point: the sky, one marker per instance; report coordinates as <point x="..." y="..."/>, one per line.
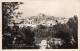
<point x="57" y="8"/>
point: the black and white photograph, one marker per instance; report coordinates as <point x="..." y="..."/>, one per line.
<point x="40" y="24"/>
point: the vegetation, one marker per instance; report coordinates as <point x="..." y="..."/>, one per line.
<point x="29" y="37"/>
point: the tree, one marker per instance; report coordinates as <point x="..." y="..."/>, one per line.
<point x="73" y="25"/>
<point x="63" y="32"/>
<point x="7" y="11"/>
<point x="27" y="36"/>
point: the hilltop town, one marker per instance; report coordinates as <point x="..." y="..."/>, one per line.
<point x="40" y="19"/>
